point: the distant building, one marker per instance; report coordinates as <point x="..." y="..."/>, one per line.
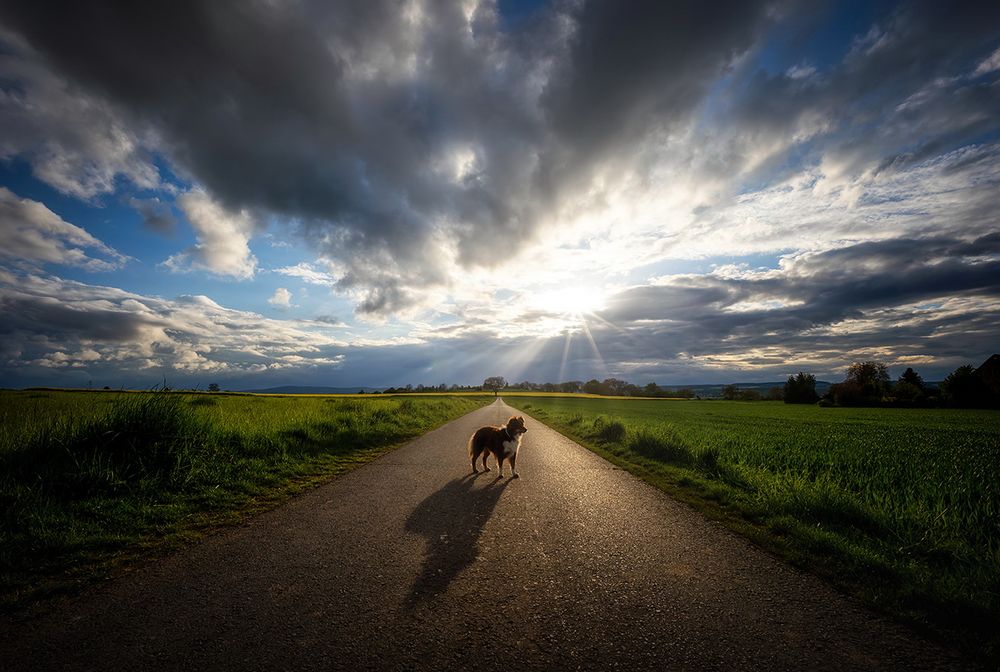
<point x="989" y="373"/>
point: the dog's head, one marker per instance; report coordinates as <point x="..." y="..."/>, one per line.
<point x="515" y="426"/>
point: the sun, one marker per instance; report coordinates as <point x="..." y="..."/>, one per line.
<point x="571" y="301"/>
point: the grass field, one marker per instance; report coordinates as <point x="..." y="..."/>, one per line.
<point x="899" y="506"/>
<point x="89" y="480"/>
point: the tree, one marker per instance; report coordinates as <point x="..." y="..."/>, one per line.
<point x="775" y="393"/>
<point x="494" y="383"/>
<point x="801" y="389"/>
<point x="964" y="387"/>
<point x="730" y="392"/>
<point x="213" y="387"/>
<point x="593" y="386"/>
<point x="571" y="386"/>
<point x="614" y="387"/>
<point x="913" y="378"/>
<point x="651" y="390"/>
<point x="871" y="378"/>
<point x="909" y="388"/>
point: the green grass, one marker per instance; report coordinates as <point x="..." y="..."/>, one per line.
<point x="89" y="480"/>
<point x="898" y="506"/>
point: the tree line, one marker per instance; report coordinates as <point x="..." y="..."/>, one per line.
<point x="609" y="387"/>
<point x="868" y="384"/>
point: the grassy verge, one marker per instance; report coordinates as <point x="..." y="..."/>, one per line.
<point x="900" y="507"/>
<point x="91" y="480"/>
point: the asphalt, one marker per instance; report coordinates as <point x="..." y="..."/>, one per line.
<point x="413" y="562"/>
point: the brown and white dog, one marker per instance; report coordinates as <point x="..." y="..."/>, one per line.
<point x="503" y="442"/>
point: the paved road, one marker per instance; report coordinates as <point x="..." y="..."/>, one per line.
<point x="411" y="562"/>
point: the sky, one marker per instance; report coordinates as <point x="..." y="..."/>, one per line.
<point x="376" y="193"/>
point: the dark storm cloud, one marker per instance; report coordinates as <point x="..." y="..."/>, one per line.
<point x="335" y="115"/>
<point x="156" y="215"/>
<point x="633" y="67"/>
<point x="56" y="321"/>
<point x="403" y="138"/>
<point x="905" y="92"/>
<point x="386" y="133"/>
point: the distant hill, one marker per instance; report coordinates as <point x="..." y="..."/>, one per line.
<point x="305" y="389"/>
<point x="716" y="390"/>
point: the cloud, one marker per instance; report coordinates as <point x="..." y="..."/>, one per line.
<point x="282" y="298"/>
<point x="308" y="273"/>
<point x="891" y="299"/>
<point x="223" y="238"/>
<point x="931" y="302"/>
<point x="432" y="158"/>
<point x="404" y="145"/>
<point x="637" y="68"/>
<point x="900" y="96"/>
<point x="74" y="140"/>
<point x="32" y="234"/>
<point x="988" y="64"/>
<point x="156" y="215"/>
<point x="60" y="324"/>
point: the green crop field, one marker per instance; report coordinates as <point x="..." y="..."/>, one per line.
<point x="89" y="480"/>
<point x="899" y="506"/>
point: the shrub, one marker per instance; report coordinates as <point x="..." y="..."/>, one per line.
<point x="665" y="447"/>
<point x="708" y="460"/>
<point x="611" y="431"/>
<point x="153" y="436"/>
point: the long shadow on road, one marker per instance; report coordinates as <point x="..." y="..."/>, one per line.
<point x="452" y="520"/>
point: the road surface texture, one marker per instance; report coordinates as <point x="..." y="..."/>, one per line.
<point x="412" y="562"/>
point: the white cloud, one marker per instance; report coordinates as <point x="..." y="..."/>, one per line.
<point x="988" y="64"/>
<point x="282" y="298"/>
<point x="800" y="71"/>
<point x="32" y="234"/>
<point x="223" y="238"/>
<point x="64" y="324"/>
<point x="308" y="273"/>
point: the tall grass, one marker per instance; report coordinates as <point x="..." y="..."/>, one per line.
<point x="902" y="505"/>
<point x="86" y="475"/>
<point x="149" y="438"/>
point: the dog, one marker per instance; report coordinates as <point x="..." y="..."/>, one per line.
<point x="503" y="442"/>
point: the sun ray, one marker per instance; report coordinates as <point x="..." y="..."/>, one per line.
<point x="593" y="346"/>
<point x="565" y="355"/>
<point x="612" y="325"/>
<point x="522" y="358"/>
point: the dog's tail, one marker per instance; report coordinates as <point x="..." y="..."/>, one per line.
<point x="475" y="442"/>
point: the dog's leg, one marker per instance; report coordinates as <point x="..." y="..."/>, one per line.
<point x="500" y="465"/>
<point x="513" y="470"/>
<point x="486" y="456"/>
<point x="474" y="458"/>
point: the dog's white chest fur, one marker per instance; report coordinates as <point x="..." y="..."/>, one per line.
<point x="510" y="447"/>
